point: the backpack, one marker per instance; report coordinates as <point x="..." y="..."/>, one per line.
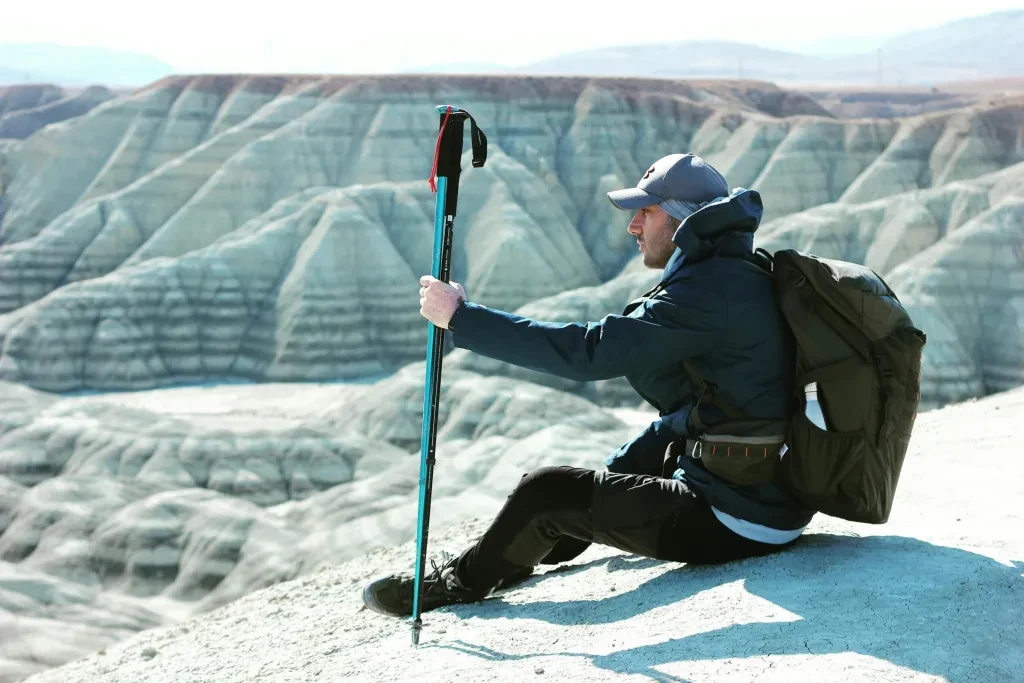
<point x="857" y="342"/>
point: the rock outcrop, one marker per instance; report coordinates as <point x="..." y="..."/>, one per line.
<point x="15" y="98"/>
<point x="265" y="228"/>
<point x="24" y="109"/>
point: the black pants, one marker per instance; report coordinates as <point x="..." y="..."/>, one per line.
<point x="555" y="513"/>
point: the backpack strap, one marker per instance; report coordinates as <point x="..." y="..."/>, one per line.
<point x="763" y="259"/>
<point x="707" y="392"/>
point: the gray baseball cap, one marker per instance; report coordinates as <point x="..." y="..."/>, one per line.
<point x="686" y="177"/>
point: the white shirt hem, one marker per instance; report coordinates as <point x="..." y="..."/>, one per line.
<point x="757" y="532"/>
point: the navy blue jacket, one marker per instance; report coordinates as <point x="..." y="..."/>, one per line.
<point x="713" y="309"/>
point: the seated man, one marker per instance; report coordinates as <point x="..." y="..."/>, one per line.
<point x="711" y="309"/>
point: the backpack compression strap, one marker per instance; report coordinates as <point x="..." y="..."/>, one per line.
<point x="707" y="392"/>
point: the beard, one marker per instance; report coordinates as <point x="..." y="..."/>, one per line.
<point x="658" y="258"/>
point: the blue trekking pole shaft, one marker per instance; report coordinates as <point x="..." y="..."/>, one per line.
<point x="431" y="398"/>
<point x="447" y="165"/>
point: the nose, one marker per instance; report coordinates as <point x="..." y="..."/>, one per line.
<point x="636" y="225"/>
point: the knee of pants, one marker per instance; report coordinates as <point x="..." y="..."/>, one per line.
<point x="544" y="531"/>
<point x="538" y="483"/>
<point x="543" y="476"/>
<point x="554" y="486"/>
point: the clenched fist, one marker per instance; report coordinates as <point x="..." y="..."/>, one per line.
<point x="439" y="300"/>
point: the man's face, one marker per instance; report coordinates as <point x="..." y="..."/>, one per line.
<point x="653" y="229"/>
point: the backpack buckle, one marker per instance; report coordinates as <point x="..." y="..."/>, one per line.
<point x="695" y="450"/>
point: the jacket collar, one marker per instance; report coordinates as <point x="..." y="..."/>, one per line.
<point x="723" y="227"/>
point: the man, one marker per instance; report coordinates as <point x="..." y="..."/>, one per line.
<point x="713" y="309"/>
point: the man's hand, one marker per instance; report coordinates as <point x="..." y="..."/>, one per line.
<point x="439" y="300"/>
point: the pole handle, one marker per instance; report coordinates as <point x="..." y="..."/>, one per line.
<point x="448" y="152"/>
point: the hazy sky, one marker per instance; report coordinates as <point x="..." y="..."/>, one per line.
<point x="371" y="36"/>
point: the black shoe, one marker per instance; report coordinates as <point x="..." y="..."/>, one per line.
<point x="392" y="595"/>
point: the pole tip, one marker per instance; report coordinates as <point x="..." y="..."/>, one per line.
<point x="417" y="626"/>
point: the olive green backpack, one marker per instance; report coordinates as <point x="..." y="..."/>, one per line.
<point x="856" y="341"/>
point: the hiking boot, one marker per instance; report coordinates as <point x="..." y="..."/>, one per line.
<point x="392" y="595"/>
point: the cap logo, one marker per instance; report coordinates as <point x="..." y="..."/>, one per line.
<point x="648" y="174"/>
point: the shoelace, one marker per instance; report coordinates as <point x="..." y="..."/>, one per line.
<point x="436" y="576"/>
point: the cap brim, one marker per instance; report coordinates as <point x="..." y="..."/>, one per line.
<point x="633" y="198"/>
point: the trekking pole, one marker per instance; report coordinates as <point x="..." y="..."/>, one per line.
<point x="447" y="167"/>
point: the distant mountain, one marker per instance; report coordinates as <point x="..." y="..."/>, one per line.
<point x="72" y="66"/>
<point x="990" y="46"/>
<point x="982" y="47"/>
<point x="692" y="59"/>
<point x="835" y="46"/>
<point x="462" y="68"/>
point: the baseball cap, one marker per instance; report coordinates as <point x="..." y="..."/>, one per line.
<point x="685" y="177"/>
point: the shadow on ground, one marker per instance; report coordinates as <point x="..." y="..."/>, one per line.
<point x="933" y="609"/>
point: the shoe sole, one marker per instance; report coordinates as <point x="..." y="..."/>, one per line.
<point x="371" y="603"/>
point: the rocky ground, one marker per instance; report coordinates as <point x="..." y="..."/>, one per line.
<point x="932" y="595"/>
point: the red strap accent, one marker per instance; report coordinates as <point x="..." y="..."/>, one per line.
<point x="437" y="150"/>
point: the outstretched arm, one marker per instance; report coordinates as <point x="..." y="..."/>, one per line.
<point x="652" y="337"/>
<point x="657" y="334"/>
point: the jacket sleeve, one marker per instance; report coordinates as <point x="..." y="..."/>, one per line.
<point x="655" y="335"/>
<point x="645" y="452"/>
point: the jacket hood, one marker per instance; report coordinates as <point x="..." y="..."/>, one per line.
<point x="725" y="225"/>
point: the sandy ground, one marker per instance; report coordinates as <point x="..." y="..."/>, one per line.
<point x="934" y="595"/>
